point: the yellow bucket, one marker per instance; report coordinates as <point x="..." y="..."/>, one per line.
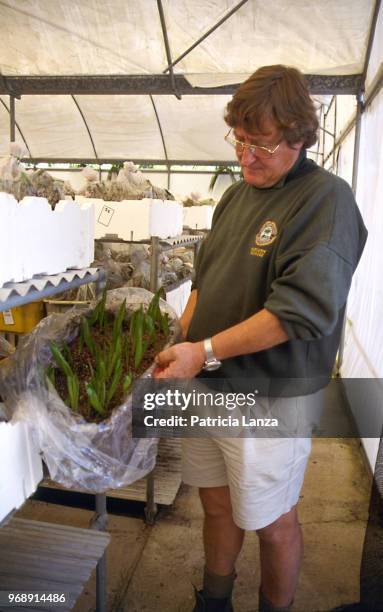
<point x="22" y="319"/>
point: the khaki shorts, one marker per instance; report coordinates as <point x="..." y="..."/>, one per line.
<point x="264" y="475"/>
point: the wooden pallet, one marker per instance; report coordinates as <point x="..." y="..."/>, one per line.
<point x="38" y="556"/>
<point x="167" y="477"/>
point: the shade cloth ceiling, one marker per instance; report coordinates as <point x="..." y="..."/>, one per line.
<point x="124" y="37"/>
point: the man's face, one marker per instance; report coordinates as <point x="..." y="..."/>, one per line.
<point x="265" y="172"/>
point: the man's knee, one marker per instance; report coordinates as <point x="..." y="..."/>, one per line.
<point x="216" y="501"/>
<point x="286" y="527"/>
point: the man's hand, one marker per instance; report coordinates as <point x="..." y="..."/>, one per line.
<point x="183" y="360"/>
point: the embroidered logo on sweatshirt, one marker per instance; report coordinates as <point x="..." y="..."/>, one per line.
<point x="267" y="234"/>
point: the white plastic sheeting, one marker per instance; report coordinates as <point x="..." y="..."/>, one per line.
<point x="121" y="126"/>
<point x="366" y="299"/>
<point x="50" y="124"/>
<point x="345" y="157"/>
<point x="124" y="37"/>
<point x="375" y="64"/>
<point x="363" y="353"/>
<point x="94" y="37"/>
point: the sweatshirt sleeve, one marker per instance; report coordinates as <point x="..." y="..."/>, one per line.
<point x="317" y="255"/>
<point x="197" y="265"/>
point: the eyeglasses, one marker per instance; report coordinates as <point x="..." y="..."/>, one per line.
<point x="260" y="151"/>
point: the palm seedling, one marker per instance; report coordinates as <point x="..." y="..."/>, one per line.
<point x="108" y="353"/>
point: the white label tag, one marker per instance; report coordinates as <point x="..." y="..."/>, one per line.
<point x="105" y="215"/>
<point x="8" y="317"/>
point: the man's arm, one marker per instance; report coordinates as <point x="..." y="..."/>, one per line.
<point x="187" y="314"/>
<point x="257" y="333"/>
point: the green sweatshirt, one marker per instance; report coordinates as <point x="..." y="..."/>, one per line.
<point x="292" y="249"/>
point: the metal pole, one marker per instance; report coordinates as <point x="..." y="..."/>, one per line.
<point x="358" y="123"/>
<point x="197" y="42"/>
<point x="18" y="127"/>
<point x="100" y="517"/>
<point x="154" y="254"/>
<point x="335" y="120"/>
<point x="324" y="136"/>
<point x="162" y="139"/>
<point x="167" y="49"/>
<point x="151" y="506"/>
<point x="12" y="113"/>
<point x="359" y="111"/>
<point x="320" y="125"/>
<point x="99" y="523"/>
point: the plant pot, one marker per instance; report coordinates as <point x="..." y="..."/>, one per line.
<point x="92" y="457"/>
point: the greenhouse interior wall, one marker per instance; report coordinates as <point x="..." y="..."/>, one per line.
<point x="363" y="347"/>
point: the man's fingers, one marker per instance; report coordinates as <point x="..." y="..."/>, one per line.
<point x="163" y="358"/>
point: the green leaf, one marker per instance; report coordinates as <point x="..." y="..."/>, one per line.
<point x="118" y="321"/>
<point x="73" y="391"/>
<point x="85" y="328"/>
<point x="115" y="382"/>
<point x="165" y="324"/>
<point x="91" y="370"/>
<point x="154" y="307"/>
<point x="101" y="368"/>
<point x="222" y="170"/>
<point x="132" y="325"/>
<point x="138" y="334"/>
<point x="60" y="359"/>
<point x="127" y="349"/>
<point x="149" y="325"/>
<point x="51" y="374"/>
<point x="98" y="314"/>
<point x="94" y="400"/>
<point x="127" y="383"/>
<point x="114" y="354"/>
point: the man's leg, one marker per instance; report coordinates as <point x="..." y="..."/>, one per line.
<point x="222" y="538"/>
<point x="281" y="551"/>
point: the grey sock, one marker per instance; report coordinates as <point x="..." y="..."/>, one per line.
<point x="217" y="587"/>
<point x="266" y="606"/>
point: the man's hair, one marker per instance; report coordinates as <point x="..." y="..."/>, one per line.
<point x="278" y="93"/>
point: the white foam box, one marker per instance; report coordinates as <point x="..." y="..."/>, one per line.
<point x="137" y="219"/>
<point x="178" y="297"/>
<point x="34" y="239"/>
<point x="21" y="467"/>
<point x="76" y="227"/>
<point x="198" y="217"/>
<point x="37" y="238"/>
<point x="175" y="216"/>
<point x="8" y="265"/>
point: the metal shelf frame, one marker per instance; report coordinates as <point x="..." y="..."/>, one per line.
<point x="31" y="294"/>
<point x="158" y="246"/>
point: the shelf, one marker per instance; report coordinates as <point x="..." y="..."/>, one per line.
<point x="167" y="475"/>
<point x="39" y="535"/>
<point x="43" y="286"/>
<point x="165" y="244"/>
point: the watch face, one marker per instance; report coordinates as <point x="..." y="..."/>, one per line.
<point x="212" y="365"/>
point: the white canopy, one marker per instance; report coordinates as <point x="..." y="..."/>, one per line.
<point x="124" y="37"/>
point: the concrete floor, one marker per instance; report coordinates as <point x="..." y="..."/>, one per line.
<point x="150" y="569"/>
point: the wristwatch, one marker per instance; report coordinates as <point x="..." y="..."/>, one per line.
<point x="211" y="362"/>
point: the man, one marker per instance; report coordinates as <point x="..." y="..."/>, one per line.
<point x="271" y="285"/>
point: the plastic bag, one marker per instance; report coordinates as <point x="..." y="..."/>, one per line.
<point x="6" y="348"/>
<point x="92" y="457"/>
